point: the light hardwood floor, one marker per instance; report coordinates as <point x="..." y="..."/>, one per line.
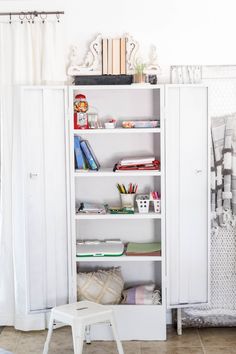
<point x="193" y="341"/>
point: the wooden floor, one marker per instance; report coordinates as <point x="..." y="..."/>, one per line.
<point x="193" y="341"/>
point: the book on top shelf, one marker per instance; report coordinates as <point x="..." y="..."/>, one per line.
<point x="116" y="56"/>
<point x="104" y="57"/>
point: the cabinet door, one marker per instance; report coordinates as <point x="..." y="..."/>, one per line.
<point x="45" y="181"/>
<point x="187" y="194"/>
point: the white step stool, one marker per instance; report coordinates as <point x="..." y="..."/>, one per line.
<point x="79" y="315"/>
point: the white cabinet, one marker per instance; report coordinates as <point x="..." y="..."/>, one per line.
<point x="187" y="194"/>
<point x="51" y="187"/>
<point x="44" y="140"/>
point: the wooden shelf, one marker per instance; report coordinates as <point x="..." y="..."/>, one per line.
<point x="123" y="258"/>
<point x="107" y="172"/>
<point x="118" y="131"/>
<point x="134" y="216"/>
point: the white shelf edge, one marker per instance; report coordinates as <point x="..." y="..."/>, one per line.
<point x="107" y="172"/>
<point x="123" y="258"/>
<point x="117" y="87"/>
<point x="134" y="216"/>
<point x="118" y="131"/>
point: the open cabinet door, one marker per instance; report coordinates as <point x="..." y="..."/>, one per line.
<point x="44" y="159"/>
<point x="187" y="195"/>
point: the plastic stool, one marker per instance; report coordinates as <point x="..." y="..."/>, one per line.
<point x="79" y="315"/>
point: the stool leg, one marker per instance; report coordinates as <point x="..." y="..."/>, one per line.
<point x="49" y="335"/>
<point x="115" y="334"/>
<point x="78" y="338"/>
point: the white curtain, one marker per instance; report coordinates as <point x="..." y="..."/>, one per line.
<point x="30" y="53"/>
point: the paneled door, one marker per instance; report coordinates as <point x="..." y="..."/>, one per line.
<point x="45" y="184"/>
<point x="187" y="194"/>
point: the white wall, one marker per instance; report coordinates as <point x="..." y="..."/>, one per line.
<point x="184" y="31"/>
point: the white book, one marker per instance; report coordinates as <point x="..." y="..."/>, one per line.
<point x="110" y="56"/>
<point x="116" y="56"/>
<point x="136" y="160"/>
<point x="104" y="56"/>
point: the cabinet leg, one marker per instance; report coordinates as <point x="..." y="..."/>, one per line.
<point x="179" y="322"/>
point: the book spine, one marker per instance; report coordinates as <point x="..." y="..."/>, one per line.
<point x="123" y="56"/>
<point x="92" y="164"/>
<point x="116" y="56"/>
<point x="110" y="57"/>
<point x="104" y="57"/>
<point x="80" y="162"/>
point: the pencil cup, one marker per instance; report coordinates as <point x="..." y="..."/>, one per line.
<point x="127" y="200"/>
<point x="143" y="202"/>
<point x="157" y="205"/>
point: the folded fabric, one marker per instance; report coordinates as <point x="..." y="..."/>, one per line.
<point x="141" y="295"/>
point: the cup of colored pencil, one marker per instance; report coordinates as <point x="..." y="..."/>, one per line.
<point x="127" y="194"/>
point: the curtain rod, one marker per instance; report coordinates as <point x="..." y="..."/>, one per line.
<point x="35" y="13"/>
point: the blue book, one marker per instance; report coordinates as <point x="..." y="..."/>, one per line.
<point x="79" y="158"/>
<point x="89" y="155"/>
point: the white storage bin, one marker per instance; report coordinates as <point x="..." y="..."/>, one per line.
<point x="143" y="202"/>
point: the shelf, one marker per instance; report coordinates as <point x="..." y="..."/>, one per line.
<point x="107" y="172"/>
<point x="117" y="87"/>
<point x="117" y="131"/>
<point x="123" y="258"/>
<point x="117" y="216"/>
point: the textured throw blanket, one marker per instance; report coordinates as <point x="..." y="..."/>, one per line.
<point x="223" y="170"/>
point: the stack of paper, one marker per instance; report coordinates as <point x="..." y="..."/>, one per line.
<point x="137" y="163"/>
<point x="143" y="249"/>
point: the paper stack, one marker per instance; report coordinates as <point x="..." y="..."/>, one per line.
<point x="143" y="249"/>
<point x="137" y="163"/>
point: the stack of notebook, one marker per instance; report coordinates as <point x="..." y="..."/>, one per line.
<point x="84" y="155"/>
<point x="137" y="163"/>
<point x="143" y="249"/>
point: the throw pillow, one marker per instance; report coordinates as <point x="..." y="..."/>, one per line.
<point x="102" y="286"/>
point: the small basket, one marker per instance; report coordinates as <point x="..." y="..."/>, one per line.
<point x="157" y="205"/>
<point x="143" y="202"/>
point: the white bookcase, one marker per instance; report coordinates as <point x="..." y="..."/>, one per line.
<point x="144" y="322"/>
<point x="50" y="187"/>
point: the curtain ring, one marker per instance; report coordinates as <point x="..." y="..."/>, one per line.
<point x="32" y="17"/>
<point x="28" y="17"/>
<point x="58" y="17"/>
<point x="43" y="17"/>
<point x="10" y="18"/>
<point x="21" y="17"/>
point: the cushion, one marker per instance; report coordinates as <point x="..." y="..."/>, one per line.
<point x="102" y="286"/>
<point x="141" y="295"/>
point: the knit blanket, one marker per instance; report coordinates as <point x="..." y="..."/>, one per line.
<point x="223" y="170"/>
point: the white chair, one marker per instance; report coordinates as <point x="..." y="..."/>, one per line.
<point x="79" y="315"/>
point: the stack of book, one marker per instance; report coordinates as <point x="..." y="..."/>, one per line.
<point x="143" y="249"/>
<point x="91" y="208"/>
<point x="84" y="156"/>
<point x="137" y="163"/>
<point x="114" y="56"/>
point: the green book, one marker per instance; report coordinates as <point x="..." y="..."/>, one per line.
<point x="145" y="249"/>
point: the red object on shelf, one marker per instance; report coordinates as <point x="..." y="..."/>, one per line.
<point x="80" y="115"/>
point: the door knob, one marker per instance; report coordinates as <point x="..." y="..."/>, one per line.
<point x="33" y="175"/>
